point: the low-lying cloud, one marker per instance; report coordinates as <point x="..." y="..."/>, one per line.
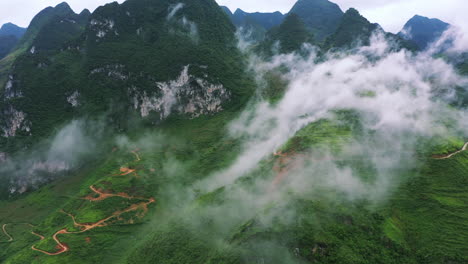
<point x="453" y="41"/>
<point x="64" y="152"/>
<point x="400" y="97"/>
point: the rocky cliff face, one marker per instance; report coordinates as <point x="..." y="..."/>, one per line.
<point x="187" y="95"/>
<point x="14" y="121"/>
<point x="145" y="58"/>
<point x="10" y="91"/>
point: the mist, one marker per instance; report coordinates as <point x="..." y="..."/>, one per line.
<point x="401" y="99"/>
<point x="61" y="154"/>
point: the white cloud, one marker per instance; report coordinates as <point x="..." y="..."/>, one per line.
<point x="401" y="109"/>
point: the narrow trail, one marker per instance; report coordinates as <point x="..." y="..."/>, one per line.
<point x="36" y="234"/>
<point x="102" y="195"/>
<point x="10" y="237"/>
<point x="448" y="156"/>
<point x="135" y="152"/>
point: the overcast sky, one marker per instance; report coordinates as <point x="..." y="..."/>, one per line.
<point x="390" y="14"/>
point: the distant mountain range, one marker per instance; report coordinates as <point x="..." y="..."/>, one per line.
<point x="265" y="20"/>
<point x="10" y="34"/>
<point x="423" y="31"/>
<point x="324" y="19"/>
<point x="321" y="17"/>
<point x="10" y="29"/>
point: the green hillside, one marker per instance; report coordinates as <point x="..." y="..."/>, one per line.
<point x="119" y="58"/>
<point x="154" y="132"/>
<point x="287" y="37"/>
<point x="322" y="17"/>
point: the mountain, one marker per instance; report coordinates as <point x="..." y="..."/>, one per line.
<point x="57" y="13"/>
<point x="10" y="29"/>
<point x="321" y="17"/>
<point x="26" y="88"/>
<point x="289" y="36"/>
<point x="144" y="132"/>
<point x="254" y="25"/>
<point x="265" y="20"/>
<point x="352" y="28"/>
<point x="423" y="31"/>
<point x="356" y="31"/>
<point x="9" y="37"/>
<point x="122" y="57"/>
<point x="227" y="11"/>
<point x="7" y="43"/>
<point x="59" y="30"/>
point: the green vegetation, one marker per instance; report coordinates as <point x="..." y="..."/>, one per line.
<point x="423" y="31"/>
<point x="275" y="86"/>
<point x="7" y="43"/>
<point x="352" y="28"/>
<point x="145" y="51"/>
<point x="328" y="228"/>
<point x="321" y="17"/>
<point x="140" y="198"/>
<point x="43" y="18"/>
<point x="264" y="20"/>
<point x="290" y="36"/>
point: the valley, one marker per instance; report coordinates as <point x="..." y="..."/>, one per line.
<point x="185" y="131"/>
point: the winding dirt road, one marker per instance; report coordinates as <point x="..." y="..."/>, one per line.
<point x="62" y="248"/>
<point x="448" y="156"/>
<point x="10" y="237"/>
<point x="102" y="195"/>
<point x="36" y="234"/>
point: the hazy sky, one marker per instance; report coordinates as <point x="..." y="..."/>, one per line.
<point x="391" y="14"/>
